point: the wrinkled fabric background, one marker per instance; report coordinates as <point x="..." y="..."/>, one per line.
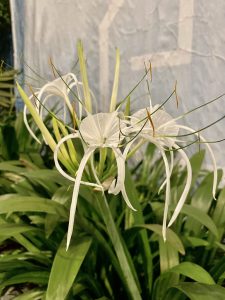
<point x="185" y="41"/>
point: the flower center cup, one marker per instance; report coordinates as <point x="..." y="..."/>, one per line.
<point x="162" y="128"/>
<point x="101" y="130"/>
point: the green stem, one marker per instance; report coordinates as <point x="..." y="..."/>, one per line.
<point x="103" y="155"/>
<point x="120" y="248"/>
<point x="88" y="227"/>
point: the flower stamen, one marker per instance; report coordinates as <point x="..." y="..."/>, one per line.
<point x="151" y="122"/>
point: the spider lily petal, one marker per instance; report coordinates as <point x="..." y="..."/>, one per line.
<point x="171" y="170"/>
<point x="97" y="131"/>
<point x="158" y="117"/>
<point x="101" y="130"/>
<point x="186" y="189"/>
<point x="115" y="186"/>
<point x="215" y="176"/>
<point x="168" y="174"/>
<point x="61" y="171"/>
<point x="120" y="186"/>
<point x="162" y="131"/>
<point x="27" y="125"/>
<point x="73" y="206"/>
<point x="61" y="87"/>
<point x="167" y="200"/>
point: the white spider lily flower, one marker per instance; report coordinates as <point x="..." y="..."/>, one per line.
<point x="162" y="130"/>
<point x="96" y="131"/>
<point x="59" y="87"/>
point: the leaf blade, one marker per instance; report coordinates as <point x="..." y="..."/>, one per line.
<point x="70" y="262"/>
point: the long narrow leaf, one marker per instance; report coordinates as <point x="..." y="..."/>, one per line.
<point x="83" y="70"/>
<point x="194" y="272"/>
<point x="13" y="203"/>
<point x="66" y="266"/>
<point x="200" y="291"/>
<point x="138" y="218"/>
<point x="116" y="82"/>
<point x="37" y="118"/>
<point x="171" y="237"/>
<point x="118" y="245"/>
<point x="31" y="295"/>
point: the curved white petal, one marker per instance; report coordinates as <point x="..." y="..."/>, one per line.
<point x="74" y="77"/>
<point x="167" y="201"/>
<point x="121" y="176"/>
<point x="215" y="175"/>
<point x="73" y="206"/>
<point x="59" y="168"/>
<point x="58" y="88"/>
<point x="96" y="176"/>
<point x="28" y="126"/>
<point x="171" y="170"/>
<point x="186" y="189"/>
<point x="115" y="186"/>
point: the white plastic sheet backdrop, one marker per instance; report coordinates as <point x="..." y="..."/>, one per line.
<point x="184" y="39"/>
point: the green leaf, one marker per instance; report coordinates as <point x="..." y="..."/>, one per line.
<point x="218" y="267"/>
<point x="31" y="295"/>
<point x="138" y="218"/>
<point x="41" y="257"/>
<point x="202" y="200"/>
<point x="197" y="242"/>
<point x="219" y="213"/>
<point x="46" y="175"/>
<point x="194" y="272"/>
<point x="126" y="263"/>
<point x="83" y="71"/>
<point x="37" y="277"/>
<point x="196" y="163"/>
<point x="168" y="256"/>
<point x="200" y="291"/>
<point x="200" y="216"/>
<point x="171" y="237"/>
<point x="62" y="195"/>
<point x="162" y="284"/>
<point x="37" y="118"/>
<point x="10" y="166"/>
<point x="116" y="82"/>
<point x="9" y="230"/>
<point x="66" y="266"/>
<point x="12" y="203"/>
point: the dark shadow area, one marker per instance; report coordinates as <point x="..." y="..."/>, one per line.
<point x="5" y="33"/>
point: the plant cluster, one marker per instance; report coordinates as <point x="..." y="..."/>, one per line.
<point x="115" y="246"/>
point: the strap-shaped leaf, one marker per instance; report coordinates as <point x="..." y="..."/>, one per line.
<point x="66" y="266"/>
<point x="171" y="237"/>
<point x="194" y="272"/>
<point x="37" y="118"/>
<point x="116" y="82"/>
<point x="13" y="203"/>
<point x="83" y="71"/>
<point x="200" y="291"/>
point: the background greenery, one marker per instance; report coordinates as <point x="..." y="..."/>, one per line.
<point x="34" y="205"/>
